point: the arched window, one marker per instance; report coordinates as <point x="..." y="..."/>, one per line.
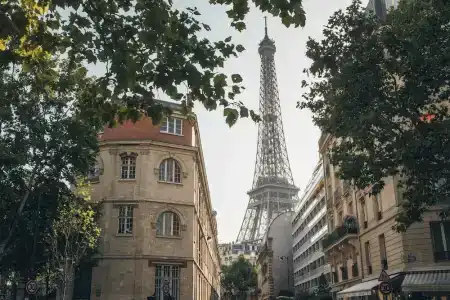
<point x="128" y="166"/>
<point x="168" y="224"/>
<point x="170" y="171"/>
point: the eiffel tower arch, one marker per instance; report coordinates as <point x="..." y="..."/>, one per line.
<point x="273" y="190"/>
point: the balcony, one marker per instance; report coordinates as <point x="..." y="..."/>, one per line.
<point x="347" y="230"/>
<point x="337" y="196"/>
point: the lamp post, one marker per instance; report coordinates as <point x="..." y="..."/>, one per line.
<point x="286" y="258"/>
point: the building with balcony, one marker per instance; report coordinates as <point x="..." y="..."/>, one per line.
<point x="309" y="227"/>
<point x="341" y="243"/>
<point x="159" y="231"/>
<point x="361" y="242"/>
<point x="230" y="252"/>
<point x="274" y="261"/>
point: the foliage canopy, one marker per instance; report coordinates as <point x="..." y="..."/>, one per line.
<point x="239" y="277"/>
<point x="146" y="46"/>
<point x="374" y="83"/>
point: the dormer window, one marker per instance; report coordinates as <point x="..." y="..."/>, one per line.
<point x="172" y="126"/>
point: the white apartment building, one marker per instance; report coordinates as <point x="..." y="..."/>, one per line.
<point x="309" y="226"/>
<point x="230" y="252"/>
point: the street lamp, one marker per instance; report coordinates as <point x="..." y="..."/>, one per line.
<point x="286" y="258"/>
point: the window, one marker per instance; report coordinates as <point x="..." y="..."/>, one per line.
<point x="383" y="254"/>
<point x="377" y="207"/>
<point x="368" y="258"/>
<point x="170" y="171"/>
<point x="125" y="219"/>
<point x="364" y="214"/>
<point x="172" y="125"/>
<point x="440" y="234"/>
<point x="128" y="167"/>
<point x="168" y="224"/>
<point x="167" y="282"/>
<point x="94" y="171"/>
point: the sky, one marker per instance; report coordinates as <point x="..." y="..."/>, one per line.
<point x="230" y="153"/>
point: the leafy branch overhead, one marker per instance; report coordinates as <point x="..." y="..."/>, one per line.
<point x="382" y="89"/>
<point x="146" y="47"/>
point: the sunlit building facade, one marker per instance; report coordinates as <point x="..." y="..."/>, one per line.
<point x="308" y="229"/>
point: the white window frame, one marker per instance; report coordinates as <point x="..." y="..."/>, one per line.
<point x="162" y="223"/>
<point x="128" y="167"/>
<point x="166" y="272"/>
<point x="172" y="125"/>
<point x="164" y="174"/>
<point x="125" y="219"/>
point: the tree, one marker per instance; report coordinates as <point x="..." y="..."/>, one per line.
<point x="48" y="137"/>
<point x="238" y="278"/>
<point x="379" y="89"/>
<point x="146" y="46"/>
<point x="74" y="234"/>
<point x="323" y="289"/>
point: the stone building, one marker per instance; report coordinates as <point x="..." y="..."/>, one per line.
<point x="159" y="232"/>
<point x="308" y="229"/>
<point x="362" y="239"/>
<point x="230" y="252"/>
<point x="274" y="262"/>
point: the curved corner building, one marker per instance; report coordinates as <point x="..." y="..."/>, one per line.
<point x="309" y="226"/>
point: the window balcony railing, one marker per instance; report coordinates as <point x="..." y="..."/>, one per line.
<point x="442" y="256"/>
<point x="350" y="226"/>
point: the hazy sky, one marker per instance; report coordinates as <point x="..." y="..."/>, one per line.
<point x="230" y="153"/>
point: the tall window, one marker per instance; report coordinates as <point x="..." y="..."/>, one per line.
<point x="167" y="282"/>
<point x="172" y="125"/>
<point x="364" y="214"/>
<point x="377" y="207"/>
<point x="440" y="234"/>
<point x="128" y="166"/>
<point x="170" y="171"/>
<point x="383" y="254"/>
<point x="125" y="219"/>
<point x="168" y="224"/>
<point x="368" y="258"/>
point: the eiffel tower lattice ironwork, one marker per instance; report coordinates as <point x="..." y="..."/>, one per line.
<point x="273" y="190"/>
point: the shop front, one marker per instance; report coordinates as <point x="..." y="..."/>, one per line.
<point x="434" y="285"/>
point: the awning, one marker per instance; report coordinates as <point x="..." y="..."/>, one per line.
<point x="432" y="281"/>
<point x="361" y="289"/>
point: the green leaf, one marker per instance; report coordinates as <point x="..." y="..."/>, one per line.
<point x="236" y="78"/>
<point x="243" y="112"/>
<point x="231" y="116"/>
<point x="240" y="48"/>
<point x="228" y="39"/>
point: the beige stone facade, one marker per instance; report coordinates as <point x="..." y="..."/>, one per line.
<point x="159" y="232"/>
<point x="230" y="252"/>
<point x="417" y="260"/>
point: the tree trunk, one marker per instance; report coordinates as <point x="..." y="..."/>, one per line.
<point x="68" y="281"/>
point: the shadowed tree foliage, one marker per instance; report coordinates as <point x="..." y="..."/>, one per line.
<point x="382" y="89"/>
<point x="238" y="278"/>
<point x="47" y="138"/>
<point x="146" y="47"/>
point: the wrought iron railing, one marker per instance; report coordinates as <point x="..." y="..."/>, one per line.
<point x="349" y="227"/>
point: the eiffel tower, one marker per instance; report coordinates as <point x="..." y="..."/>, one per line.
<point x="273" y="190"/>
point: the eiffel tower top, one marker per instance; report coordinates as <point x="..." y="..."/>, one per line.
<point x="267" y="45"/>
